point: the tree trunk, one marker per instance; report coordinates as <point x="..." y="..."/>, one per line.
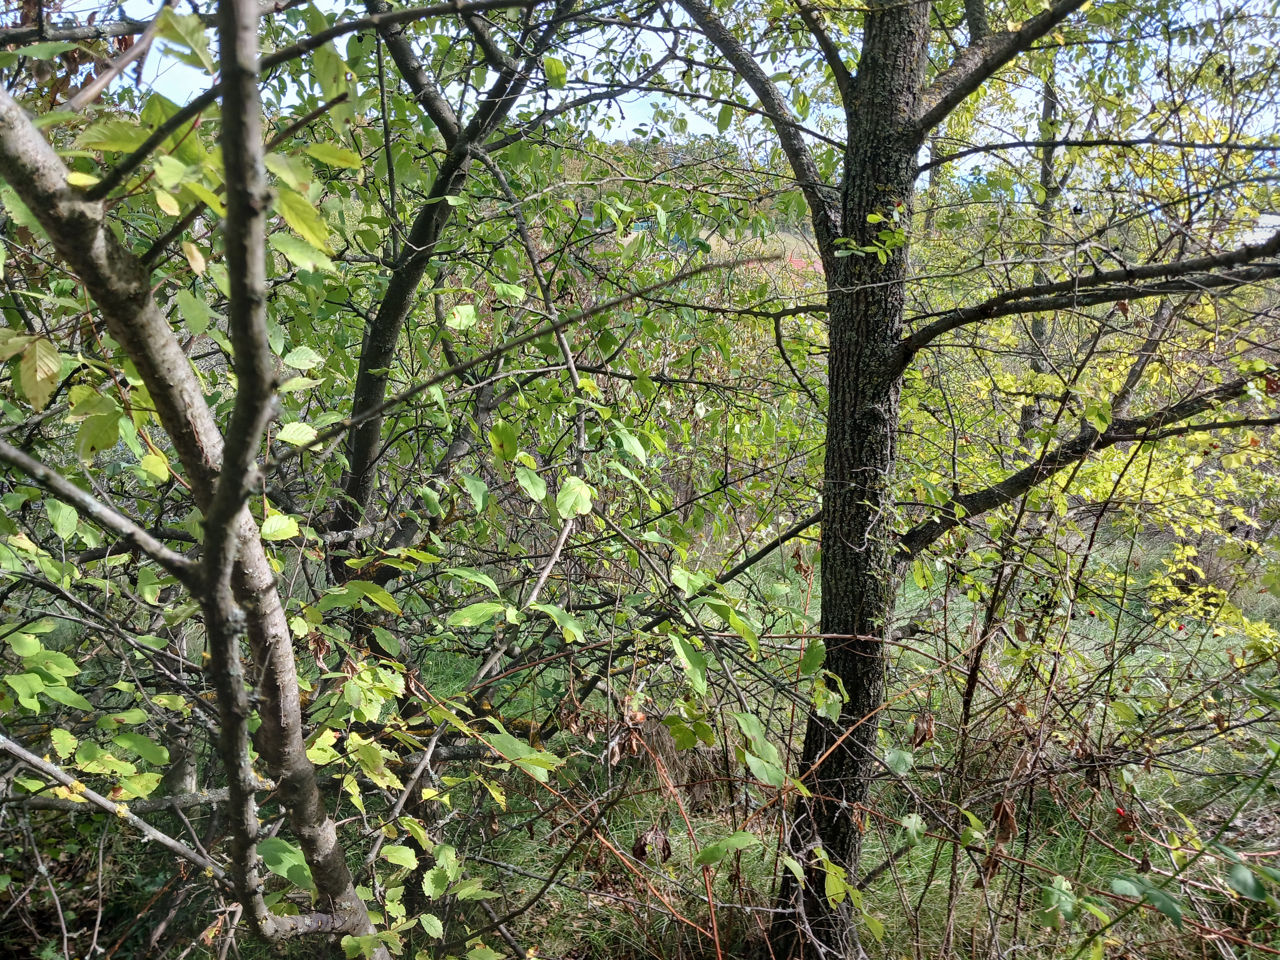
<point x="858" y="544"/>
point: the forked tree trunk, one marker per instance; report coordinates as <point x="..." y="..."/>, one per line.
<point x="859" y="578"/>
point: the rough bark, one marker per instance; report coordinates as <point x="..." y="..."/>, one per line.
<point x="858" y="577"/>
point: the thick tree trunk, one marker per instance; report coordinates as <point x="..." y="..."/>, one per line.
<point x="858" y="545"/>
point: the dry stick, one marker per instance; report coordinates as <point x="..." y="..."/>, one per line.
<point x="120" y="810"/>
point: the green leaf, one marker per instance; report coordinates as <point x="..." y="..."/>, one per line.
<point x="114" y="136"/>
<point x="475" y="576"/>
<point x="504" y="440"/>
<point x="476" y="614"/>
<point x="62" y="517"/>
<point x="23" y="644"/>
<point x="155" y="466"/>
<point x="334" y="156"/>
<point x="478" y="490"/>
<point x="431" y="925"/>
<point x="462" y="317"/>
<point x="400" y="856"/>
<point x="144" y="747"/>
<point x="715" y="852"/>
<point x="279" y="526"/>
<point x="574" y="498"/>
<point x="1245" y="882"/>
<point x="297" y="433"/>
<point x="531" y="483"/>
<point x="285" y="860"/>
<point x="913" y="824"/>
<point x="725" y="118"/>
<point x="815" y="653"/>
<point x="300" y="253"/>
<point x="303" y="217"/>
<point x="38" y="371"/>
<point x="187" y="30"/>
<point x="694" y="663"/>
<point x="1165" y="904"/>
<point x="194" y="311"/>
<point x="570" y="626"/>
<point x="556" y="72"/>
<point x="303" y="358"/>
<point x="631" y="444"/>
<point x="97" y="434"/>
<point x="375" y="594"/>
<point x="510" y="292"/>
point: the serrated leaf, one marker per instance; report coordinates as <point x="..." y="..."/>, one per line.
<point x="431" y="925"/>
<point x="303" y="358"/>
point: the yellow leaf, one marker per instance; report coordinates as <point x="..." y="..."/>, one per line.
<point x="194" y="256"/>
<point x="81" y="179"/>
<point x="39" y="370"/>
<point x="167" y="203"/>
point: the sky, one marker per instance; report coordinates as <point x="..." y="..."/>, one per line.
<point x="180" y="83"/>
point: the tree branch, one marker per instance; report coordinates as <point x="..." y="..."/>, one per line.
<point x="981" y="59"/>
<point x="122" y="289"/>
<point x="916" y="540"/>
<point x="830" y="52"/>
<point x="1107" y="287"/>
<point x="826" y="218"/>
<point x="121" y="810"/>
<point x="66" y="491"/>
